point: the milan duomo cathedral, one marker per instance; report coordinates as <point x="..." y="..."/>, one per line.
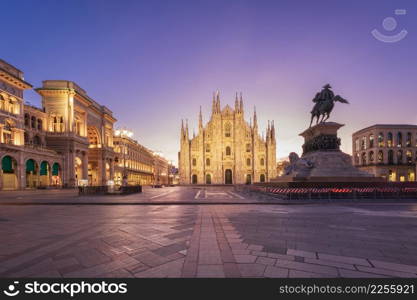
<point x="228" y="150"/>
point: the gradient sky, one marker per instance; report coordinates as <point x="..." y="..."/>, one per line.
<point x="155" y="62"/>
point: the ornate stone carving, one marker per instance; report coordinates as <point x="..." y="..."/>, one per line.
<point x="323" y="142"/>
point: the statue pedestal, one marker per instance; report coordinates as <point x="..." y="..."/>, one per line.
<point x="322" y="161"/>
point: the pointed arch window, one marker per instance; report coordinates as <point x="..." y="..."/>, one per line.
<point x="227" y="130"/>
<point x="262" y="161"/>
<point x="228" y="151"/>
<point x="207" y="161"/>
<point x="248" y="162"/>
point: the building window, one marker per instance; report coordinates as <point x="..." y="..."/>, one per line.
<point x="207" y="147"/>
<point x="248" y="162"/>
<point x="357" y="148"/>
<point x="381" y="140"/>
<point x="248" y="179"/>
<point x="262" y="178"/>
<point x="26" y="137"/>
<point x="391" y="157"/>
<point x="27" y="120"/>
<point x="40" y="124"/>
<point x="228" y="151"/>
<point x="262" y="162"/>
<point x="33" y="122"/>
<point x="408" y="142"/>
<point x="389" y="139"/>
<point x="380" y="157"/>
<point x="371" y="157"/>
<point x="399" y="139"/>
<point x="227" y="130"/>
<point x="363" y="143"/>
<point x="208" y="162"/>
<point x="371" y="141"/>
<point x="37" y="140"/>
<point x="58" y="124"/>
<point x="247" y="147"/>
<point x="194" y="179"/>
<point x="194" y="162"/>
<point x="399" y="157"/>
<point x="409" y="157"/>
<point x="411" y="175"/>
<point x="364" y="158"/>
<point x="7" y="133"/>
<point x="392" y="176"/>
<point x="208" y="179"/>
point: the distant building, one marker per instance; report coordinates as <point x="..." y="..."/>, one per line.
<point x="387" y="150"/>
<point x="228" y="149"/>
<point x="161" y="170"/>
<point x="134" y="163"/>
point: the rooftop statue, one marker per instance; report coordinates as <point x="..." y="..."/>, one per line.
<point x="324" y="103"/>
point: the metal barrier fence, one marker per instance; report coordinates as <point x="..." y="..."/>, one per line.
<point x="339" y="193"/>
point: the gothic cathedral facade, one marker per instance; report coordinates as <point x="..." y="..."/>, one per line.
<point x="228" y="150"/>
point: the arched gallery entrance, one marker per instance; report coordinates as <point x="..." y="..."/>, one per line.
<point x="32" y="174"/>
<point x="9" y="173"/>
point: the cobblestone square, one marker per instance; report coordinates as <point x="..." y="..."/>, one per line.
<point x="172" y="233"/>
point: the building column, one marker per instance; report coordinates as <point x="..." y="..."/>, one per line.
<point x="1" y="134"/>
<point x="85" y="165"/>
<point x="102" y="171"/>
<point x="21" y="172"/>
<point x="111" y="169"/>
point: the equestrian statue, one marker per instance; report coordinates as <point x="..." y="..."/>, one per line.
<point x="324" y="103"/>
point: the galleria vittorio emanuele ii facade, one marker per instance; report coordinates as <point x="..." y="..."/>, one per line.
<point x="228" y="150"/>
<point x="67" y="142"/>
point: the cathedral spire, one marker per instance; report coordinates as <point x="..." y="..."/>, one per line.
<point x="236" y="104"/>
<point x="218" y="101"/>
<point x="241" y="103"/>
<point x="268" y="132"/>
<point x="213" y="106"/>
<point x="186" y="129"/>
<point x="200" y="121"/>
<point x="182" y="129"/>
<point x="273" y="131"/>
<point x="255" y="119"/>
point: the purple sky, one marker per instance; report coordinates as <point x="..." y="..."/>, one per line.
<point x="156" y="62"/>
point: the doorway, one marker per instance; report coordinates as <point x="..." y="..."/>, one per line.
<point x="228" y="177"/>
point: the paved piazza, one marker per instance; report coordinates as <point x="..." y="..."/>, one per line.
<point x="245" y="236"/>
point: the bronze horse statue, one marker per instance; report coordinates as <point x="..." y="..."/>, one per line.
<point x="324" y="104"/>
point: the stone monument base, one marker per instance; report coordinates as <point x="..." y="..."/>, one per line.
<point x="322" y="161"/>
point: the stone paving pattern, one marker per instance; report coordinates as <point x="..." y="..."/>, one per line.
<point x="333" y="240"/>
